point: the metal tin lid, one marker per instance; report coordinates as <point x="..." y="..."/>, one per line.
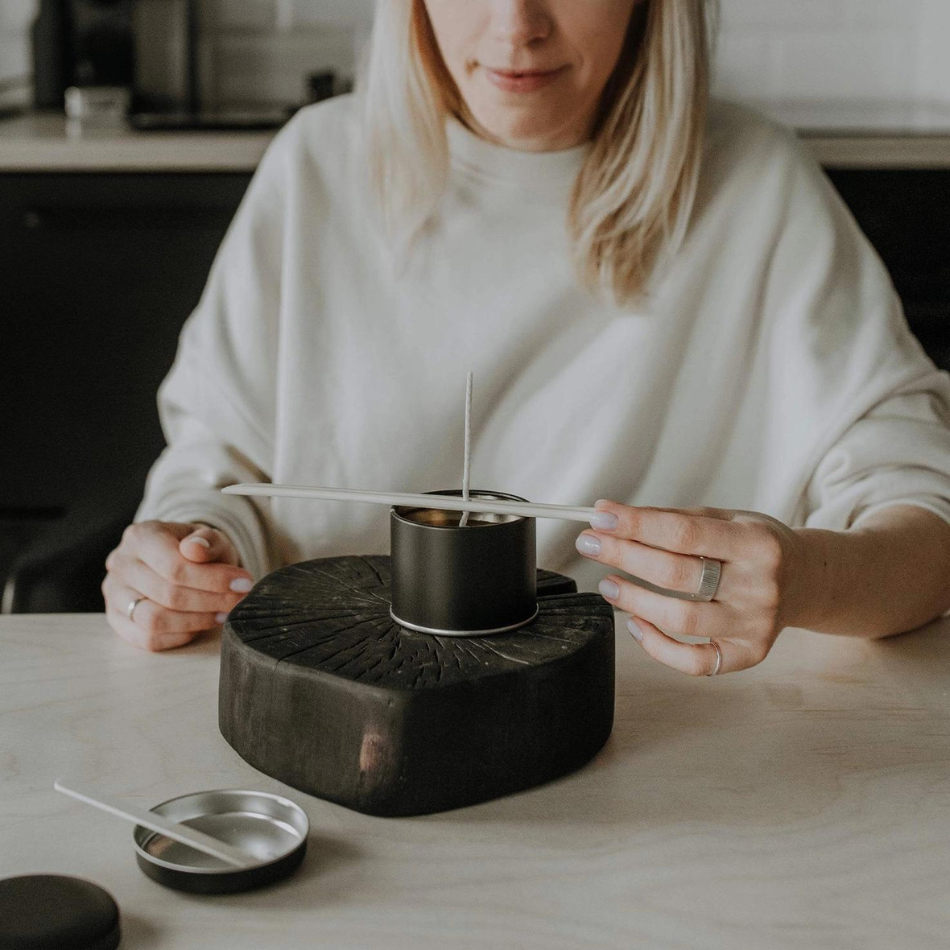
<point x="266" y="826"/>
<point x="56" y="912"/>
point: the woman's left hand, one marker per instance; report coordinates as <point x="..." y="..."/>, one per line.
<point x="763" y="564"/>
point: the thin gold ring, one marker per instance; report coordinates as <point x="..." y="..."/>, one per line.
<point x="718" y="665"/>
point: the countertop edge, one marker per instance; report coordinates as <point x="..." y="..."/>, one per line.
<point x="241" y="152"/>
<point x="880" y="151"/>
<point x="201" y="152"/>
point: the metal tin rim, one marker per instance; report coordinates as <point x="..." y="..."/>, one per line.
<point x="497" y="495"/>
<point x="183" y="869"/>
<point x="464" y="633"/>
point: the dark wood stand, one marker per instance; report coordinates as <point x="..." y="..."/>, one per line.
<point x="320" y="689"/>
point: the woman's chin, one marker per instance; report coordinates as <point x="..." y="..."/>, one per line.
<point x="523" y="129"/>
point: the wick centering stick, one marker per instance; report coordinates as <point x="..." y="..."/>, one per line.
<point x="467" y="467"/>
<point x="478" y="504"/>
<point x="164" y="826"/>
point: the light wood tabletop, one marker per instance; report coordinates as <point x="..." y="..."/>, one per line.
<point x="802" y="804"/>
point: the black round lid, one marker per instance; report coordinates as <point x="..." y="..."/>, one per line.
<point x="55" y="912"/>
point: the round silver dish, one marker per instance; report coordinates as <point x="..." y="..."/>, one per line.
<point x="265" y="826"/>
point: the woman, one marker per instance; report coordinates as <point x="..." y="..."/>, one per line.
<point x="663" y="301"/>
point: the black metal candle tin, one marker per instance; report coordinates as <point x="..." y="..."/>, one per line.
<point x="462" y="581"/>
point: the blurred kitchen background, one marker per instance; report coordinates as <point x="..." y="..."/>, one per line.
<point x="256" y="53"/>
<point x="110" y="215"/>
<point x="251" y="54"/>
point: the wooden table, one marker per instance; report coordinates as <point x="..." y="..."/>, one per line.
<point x="803" y="804"/>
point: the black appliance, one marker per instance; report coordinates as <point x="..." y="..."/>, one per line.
<point x="193" y="116"/>
<point x="81" y="43"/>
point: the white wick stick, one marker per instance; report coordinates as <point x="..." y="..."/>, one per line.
<point x="165" y="826"/>
<point x="467" y="468"/>
<point x="524" y="509"/>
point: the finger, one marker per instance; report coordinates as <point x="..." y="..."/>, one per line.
<point x="152" y="642"/>
<point x="676" y="572"/>
<point x="155" y="619"/>
<point x="694" y="659"/>
<point x="138" y="575"/>
<point x="207" y="545"/>
<point x="117" y="615"/>
<point x="687" y="617"/>
<point x="151" y="626"/>
<point x="703" y="511"/>
<point x="674" y="530"/>
<point x="159" y="549"/>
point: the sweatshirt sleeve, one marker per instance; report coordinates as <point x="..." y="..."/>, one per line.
<point x="896" y="453"/>
<point x="217" y="404"/>
<point x="858" y="416"/>
<point x="888" y="442"/>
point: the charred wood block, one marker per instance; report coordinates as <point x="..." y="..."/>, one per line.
<point x="320" y="689"/>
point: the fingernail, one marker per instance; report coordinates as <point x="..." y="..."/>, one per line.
<point x="241" y="585"/>
<point x="604" y="521"/>
<point x="220" y="618"/>
<point x="588" y="544"/>
<point x="609" y="589"/>
<point x="197" y="539"/>
<point x="635" y="629"/>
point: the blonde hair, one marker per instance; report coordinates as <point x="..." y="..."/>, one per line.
<point x="632" y="201"/>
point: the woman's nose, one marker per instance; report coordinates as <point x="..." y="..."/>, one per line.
<point x="520" y="22"/>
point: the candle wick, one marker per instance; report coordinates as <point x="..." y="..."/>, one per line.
<point x="467" y="466"/>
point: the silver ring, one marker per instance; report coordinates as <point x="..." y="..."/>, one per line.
<point x="132" y="605"/>
<point x="709" y="584"/>
<point x="718" y="665"/>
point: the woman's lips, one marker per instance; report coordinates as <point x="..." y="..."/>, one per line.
<point x="529" y="81"/>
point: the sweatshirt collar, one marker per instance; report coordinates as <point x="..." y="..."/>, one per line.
<point x="472" y="153"/>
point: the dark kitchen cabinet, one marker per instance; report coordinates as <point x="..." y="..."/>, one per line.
<point x="906" y="215"/>
<point x="98" y="273"/>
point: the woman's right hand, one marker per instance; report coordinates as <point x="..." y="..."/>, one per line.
<point x="188" y="574"/>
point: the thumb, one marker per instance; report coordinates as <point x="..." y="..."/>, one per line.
<point x="206" y="544"/>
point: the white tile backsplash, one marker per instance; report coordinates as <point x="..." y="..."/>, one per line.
<point x="252" y="15"/>
<point x="744" y="62"/>
<point x="15" y="17"/>
<point x="312" y="13"/>
<point x="934" y="44"/>
<point x="769" y="51"/>
<point x="858" y="65"/>
<point x="273" y="67"/>
<point x="824" y="49"/>
<point x="770" y="15"/>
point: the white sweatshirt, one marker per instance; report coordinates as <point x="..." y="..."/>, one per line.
<point x="771" y="369"/>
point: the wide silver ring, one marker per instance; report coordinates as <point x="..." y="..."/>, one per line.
<point x="718" y="665"/>
<point x="132" y="605"/>
<point x="709" y="584"/>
